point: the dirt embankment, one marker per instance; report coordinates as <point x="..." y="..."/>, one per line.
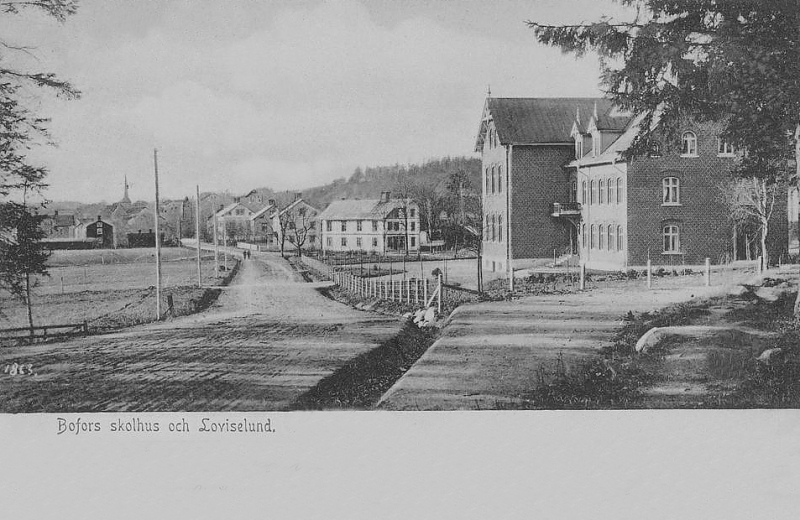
<point x="360" y="383"/>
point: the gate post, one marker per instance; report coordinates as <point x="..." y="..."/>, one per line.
<point x="440" y="294"/>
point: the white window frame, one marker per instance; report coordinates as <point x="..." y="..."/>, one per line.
<point x="499" y="228"/>
<point x="724" y="148"/>
<point x="689" y="144"/>
<point x="671" y="239"/>
<point x="601" y="235"/>
<point x="499" y="179"/>
<point x="584" y="237"/>
<point x="670" y="191"/>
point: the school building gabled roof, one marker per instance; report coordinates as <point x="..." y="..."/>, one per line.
<point x="546" y="120"/>
<point x="357" y="209"/>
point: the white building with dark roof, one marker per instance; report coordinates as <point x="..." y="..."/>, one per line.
<point x="384" y="225"/>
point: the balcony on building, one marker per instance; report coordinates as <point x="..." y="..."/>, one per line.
<point x="566" y="209"/>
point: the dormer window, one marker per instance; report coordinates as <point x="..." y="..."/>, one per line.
<point x="689" y="144"/>
<point x="595" y="145"/>
<point x="578" y="146"/>
<point x="724" y="148"/>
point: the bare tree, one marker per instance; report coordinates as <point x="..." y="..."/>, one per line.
<point x="752" y="200"/>
<point x="301" y="221"/>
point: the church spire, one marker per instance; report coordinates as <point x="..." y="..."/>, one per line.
<point x="125" y="198"/>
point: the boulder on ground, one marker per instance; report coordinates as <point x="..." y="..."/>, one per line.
<point x="769" y="294"/>
<point x="430" y="314"/>
<point x="771" y="356"/>
<point x="649" y="339"/>
<point x="738" y="290"/>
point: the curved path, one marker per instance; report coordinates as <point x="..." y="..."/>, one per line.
<point x="267" y="339"/>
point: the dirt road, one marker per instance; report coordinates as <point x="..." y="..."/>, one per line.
<point x="267" y="339"/>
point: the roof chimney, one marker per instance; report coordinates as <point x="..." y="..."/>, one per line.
<point x="271" y="202"/>
<point x="385" y="195"/>
<point x="56" y="213"/>
<point x="298" y="196"/>
<point x="98" y="218"/>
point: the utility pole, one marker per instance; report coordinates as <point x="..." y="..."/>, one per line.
<point x="461" y="202"/>
<point x="197" y="236"/>
<point x="158" y="240"/>
<point x="225" y="242"/>
<point x="216" y="248"/>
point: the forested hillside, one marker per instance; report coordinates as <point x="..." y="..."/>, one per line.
<point x="369" y="182"/>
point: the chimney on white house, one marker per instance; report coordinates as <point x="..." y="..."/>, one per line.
<point x="385" y="196"/>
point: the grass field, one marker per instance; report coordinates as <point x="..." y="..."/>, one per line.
<point x="111" y="288"/>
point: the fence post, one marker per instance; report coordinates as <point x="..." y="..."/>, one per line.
<point x="440" y="294"/>
<point x="708" y="272"/>
<point x="760" y="268"/>
<point x="408" y="290"/>
<point x="425" y="291"/>
<point x="649" y="274"/>
<point x="583" y="277"/>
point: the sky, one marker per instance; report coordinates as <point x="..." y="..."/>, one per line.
<point x="245" y="93"/>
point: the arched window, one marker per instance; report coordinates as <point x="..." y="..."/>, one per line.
<point x="487" y="230"/>
<point x="655" y="149"/>
<point x="487" y="180"/>
<point x="594" y="237"/>
<point x="620" y="239"/>
<point x="494" y="180"/>
<point x="592" y="193"/>
<point x="601" y="190"/>
<point x="610" y="238"/>
<point x="619" y="190"/>
<point x="671" y="188"/>
<point x="573" y="193"/>
<point x="602" y="244"/>
<point x="584" y="196"/>
<point x="672" y="239"/>
<point x="610" y="191"/>
<point x="494" y="228"/>
<point x="578" y="147"/>
<point x="689" y="144"/>
<point x="499" y="179"/>
<point x="499" y="228"/>
<point x="584" y="238"/>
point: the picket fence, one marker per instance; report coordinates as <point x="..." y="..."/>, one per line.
<point x="416" y="291"/>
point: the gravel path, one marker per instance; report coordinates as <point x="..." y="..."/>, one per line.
<point x="267" y="339"/>
<point x="489" y="353"/>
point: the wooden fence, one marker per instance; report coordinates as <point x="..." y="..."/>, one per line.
<point x="44" y="331"/>
<point x="412" y="291"/>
